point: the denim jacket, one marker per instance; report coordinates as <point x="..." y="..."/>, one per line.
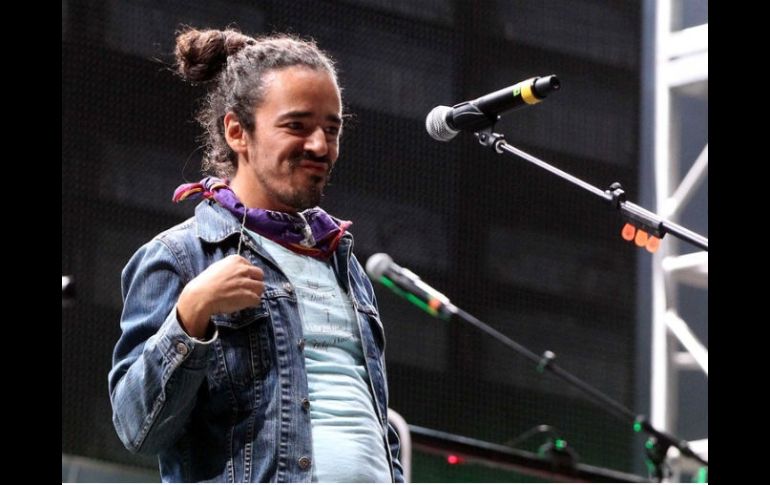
<point x="233" y="408"/>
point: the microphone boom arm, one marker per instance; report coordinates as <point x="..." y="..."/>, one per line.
<point x="615" y="196"/>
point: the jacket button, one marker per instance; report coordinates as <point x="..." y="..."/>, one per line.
<point x="306" y="404"/>
<point x="304" y="462"/>
<point x="301" y="345"/>
<point x="181" y="348"/>
<point x="288" y="287"/>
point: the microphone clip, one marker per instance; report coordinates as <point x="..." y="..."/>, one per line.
<point x="488" y="138"/>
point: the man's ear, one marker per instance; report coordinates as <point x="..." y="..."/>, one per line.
<point x="235" y="133"/>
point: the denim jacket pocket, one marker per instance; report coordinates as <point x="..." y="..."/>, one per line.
<point x="244" y="344"/>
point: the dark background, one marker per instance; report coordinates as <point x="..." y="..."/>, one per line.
<point x="537" y="258"/>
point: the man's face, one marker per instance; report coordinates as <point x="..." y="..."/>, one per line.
<point x="296" y="139"/>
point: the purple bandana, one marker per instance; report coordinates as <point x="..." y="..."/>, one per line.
<point x="312" y="232"/>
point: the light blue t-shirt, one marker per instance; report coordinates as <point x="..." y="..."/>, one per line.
<point x="348" y="442"/>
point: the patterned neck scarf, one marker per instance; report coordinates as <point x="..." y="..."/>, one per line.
<point x="312" y="232"/>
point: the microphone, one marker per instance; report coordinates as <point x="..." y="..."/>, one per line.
<point x="444" y="123"/>
<point x="404" y="283"/>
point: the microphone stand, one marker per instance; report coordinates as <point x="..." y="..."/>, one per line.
<point x="615" y="195"/>
<point x="659" y="441"/>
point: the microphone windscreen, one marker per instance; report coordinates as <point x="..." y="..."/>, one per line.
<point x="377" y="264"/>
<point x="437" y="126"/>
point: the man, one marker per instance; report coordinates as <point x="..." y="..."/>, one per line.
<point x="252" y="348"/>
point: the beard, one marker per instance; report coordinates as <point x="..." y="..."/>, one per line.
<point x="308" y="197"/>
<point x="303" y="197"/>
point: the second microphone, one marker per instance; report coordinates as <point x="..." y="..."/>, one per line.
<point x="403" y="282"/>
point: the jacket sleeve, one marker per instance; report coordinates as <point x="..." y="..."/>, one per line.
<point x="157" y="368"/>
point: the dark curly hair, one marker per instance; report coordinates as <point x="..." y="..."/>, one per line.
<point x="234" y="65"/>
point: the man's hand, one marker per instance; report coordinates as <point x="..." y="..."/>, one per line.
<point x="226" y="286"/>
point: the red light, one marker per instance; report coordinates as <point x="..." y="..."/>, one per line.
<point x="453" y="459"/>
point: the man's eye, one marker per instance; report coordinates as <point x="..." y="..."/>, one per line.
<point x="294" y="125"/>
<point x="333" y="130"/>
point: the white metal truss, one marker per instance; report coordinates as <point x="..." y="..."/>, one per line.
<point x="681" y="59"/>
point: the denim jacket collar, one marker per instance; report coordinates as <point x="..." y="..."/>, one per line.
<point x="215" y="223"/>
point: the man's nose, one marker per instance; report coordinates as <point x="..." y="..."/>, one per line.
<point x="316" y="143"/>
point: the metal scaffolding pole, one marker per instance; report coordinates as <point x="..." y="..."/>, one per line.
<point x="681" y="59"/>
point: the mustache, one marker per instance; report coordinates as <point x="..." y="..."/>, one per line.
<point x="295" y="160"/>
